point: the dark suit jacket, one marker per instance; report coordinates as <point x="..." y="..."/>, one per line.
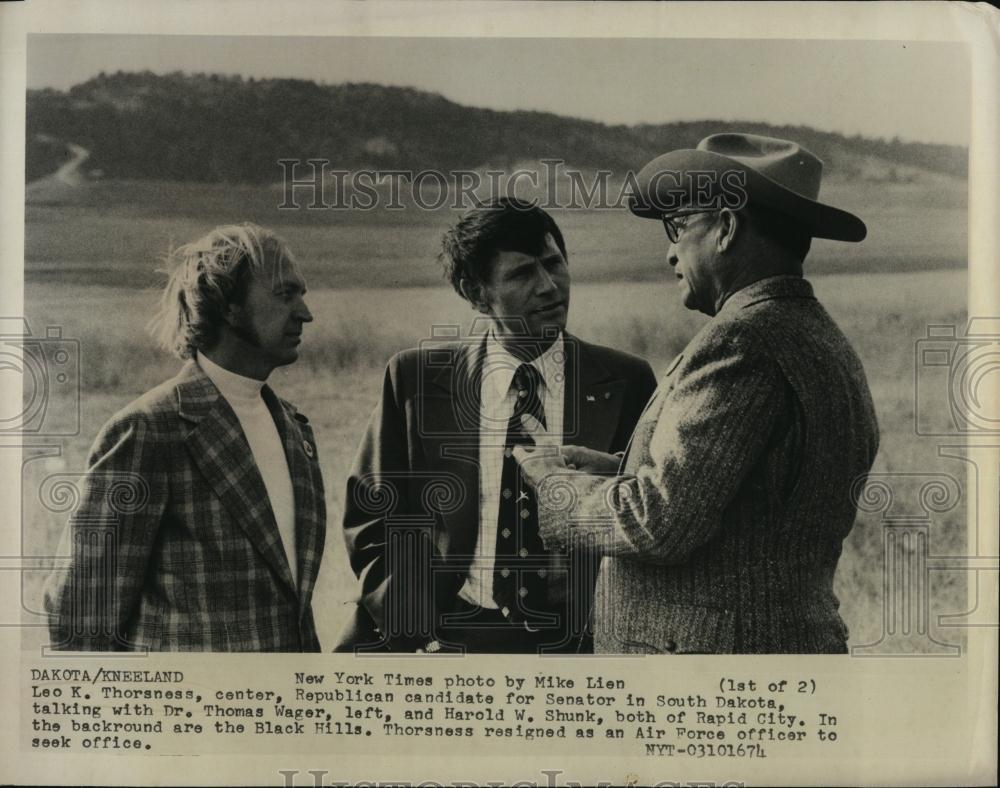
<point x="174" y="546"/>
<point x="411" y="516"/>
<point x="724" y="532"/>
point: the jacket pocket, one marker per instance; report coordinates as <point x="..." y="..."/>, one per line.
<point x="676" y="629"/>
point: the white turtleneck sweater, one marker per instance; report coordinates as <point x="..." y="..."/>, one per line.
<point x="244" y="397"/>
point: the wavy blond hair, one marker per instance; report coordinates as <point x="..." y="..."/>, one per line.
<point x="205" y="277"/>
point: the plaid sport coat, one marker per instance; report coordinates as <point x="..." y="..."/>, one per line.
<point x="723" y="532"/>
<point x="173" y="546"/>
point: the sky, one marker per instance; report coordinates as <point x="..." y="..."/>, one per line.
<point x="918" y="91"/>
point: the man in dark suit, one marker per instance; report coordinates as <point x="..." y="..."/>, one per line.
<point x="440" y="529"/>
<point x="201" y="519"/>
<point x="723" y="528"/>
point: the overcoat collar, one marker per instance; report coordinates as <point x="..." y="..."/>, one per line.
<point x="786" y="286"/>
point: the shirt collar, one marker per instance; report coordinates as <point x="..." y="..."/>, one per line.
<point x="500" y="365"/>
<point x="232" y="386"/>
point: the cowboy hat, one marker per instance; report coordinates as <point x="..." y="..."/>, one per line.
<point x="731" y="170"/>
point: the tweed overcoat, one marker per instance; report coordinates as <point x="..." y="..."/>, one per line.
<point x="723" y="532"/>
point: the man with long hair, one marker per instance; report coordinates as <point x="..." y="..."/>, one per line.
<point x="201" y="520"/>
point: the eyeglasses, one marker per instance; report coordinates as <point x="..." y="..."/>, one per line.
<point x="677" y="223"/>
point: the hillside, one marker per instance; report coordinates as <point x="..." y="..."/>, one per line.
<point x="213" y="129"/>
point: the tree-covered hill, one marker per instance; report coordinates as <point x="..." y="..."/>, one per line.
<point x="212" y="128"/>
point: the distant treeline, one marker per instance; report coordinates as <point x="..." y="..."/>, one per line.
<point x="211" y="128"/>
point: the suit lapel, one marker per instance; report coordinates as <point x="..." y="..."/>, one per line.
<point x="665" y="387"/>
<point x="220" y="450"/>
<point x="450" y="430"/>
<point x="652" y="407"/>
<point x="300" y="454"/>
<point x="593" y="398"/>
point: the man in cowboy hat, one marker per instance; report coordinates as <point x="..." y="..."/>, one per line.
<point x="723" y="526"/>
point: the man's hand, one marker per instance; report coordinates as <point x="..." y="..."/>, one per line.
<point x="574" y="458"/>
<point x="538" y="462"/>
<point x="544" y="457"/>
<point x="590" y="460"/>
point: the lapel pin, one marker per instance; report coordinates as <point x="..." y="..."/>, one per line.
<point x="307" y="447"/>
<point x="591" y="398"/>
<point x="607" y="395"/>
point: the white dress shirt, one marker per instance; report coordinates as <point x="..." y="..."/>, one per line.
<point x="496" y="406"/>
<point x="244" y="397"/>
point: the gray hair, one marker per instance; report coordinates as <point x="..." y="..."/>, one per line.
<point x="205" y="277"/>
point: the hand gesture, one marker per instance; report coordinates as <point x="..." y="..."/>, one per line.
<point x="543" y="458"/>
<point x="590" y="460"/>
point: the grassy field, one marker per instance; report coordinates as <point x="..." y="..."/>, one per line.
<point x="338" y="376"/>
<point x="91" y="251"/>
<point x="113" y="233"/>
